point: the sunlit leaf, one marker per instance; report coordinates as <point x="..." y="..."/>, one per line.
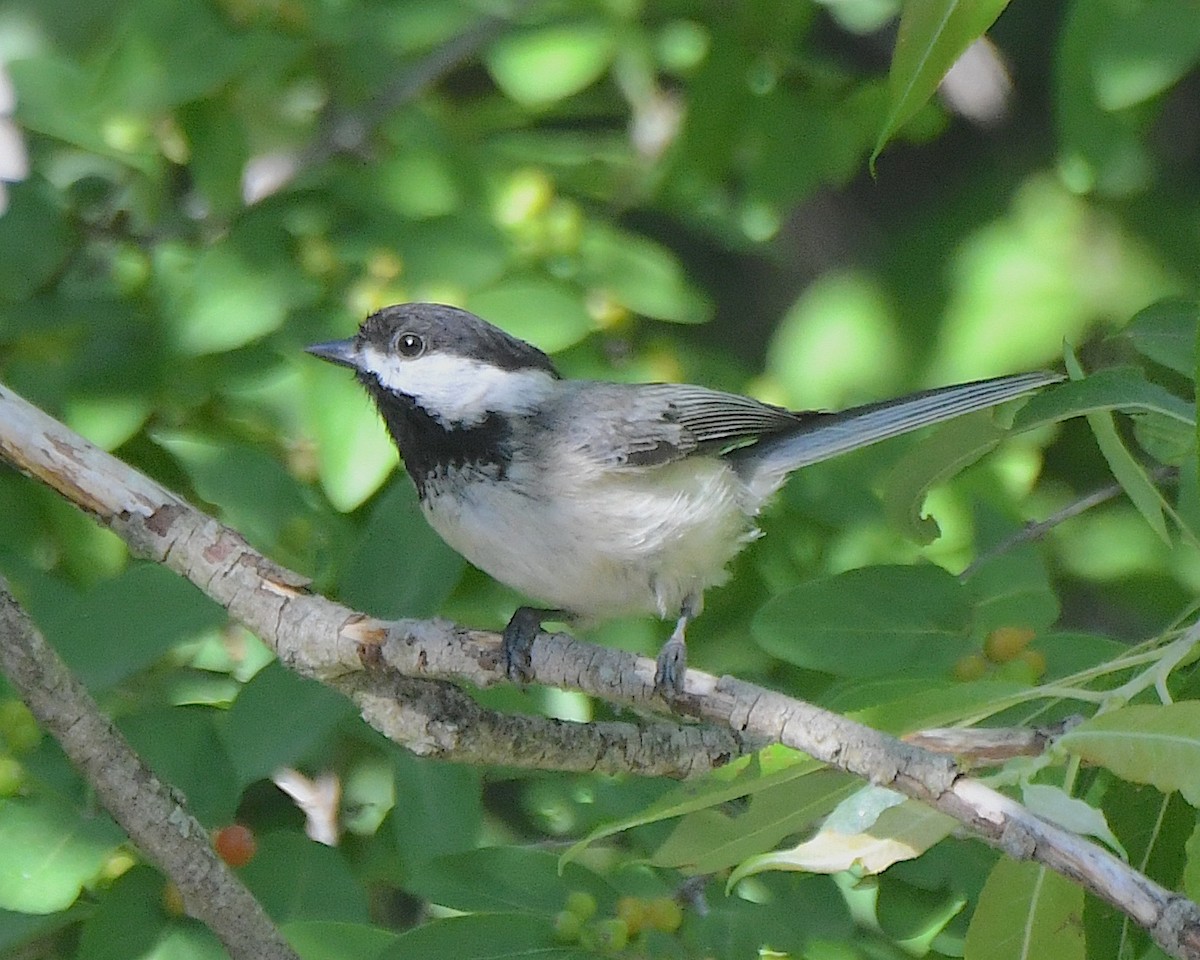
<point x="354" y="453"/>
<point x="1053" y="804"/>
<point x="538" y="67"/>
<point x="900" y="832"/>
<point x="711" y="840"/>
<point x="641" y="275"/>
<point x="1145" y="743"/>
<point x="1118" y="388"/>
<point x="50" y="853"/>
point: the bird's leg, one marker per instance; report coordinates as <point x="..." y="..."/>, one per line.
<point x="672" y="658"/>
<point x="522" y="630"/>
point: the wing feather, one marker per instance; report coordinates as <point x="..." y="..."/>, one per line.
<point x="647" y="424"/>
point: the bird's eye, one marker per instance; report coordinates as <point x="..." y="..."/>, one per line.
<point x="409" y="345"/>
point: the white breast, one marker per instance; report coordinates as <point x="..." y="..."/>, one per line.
<point x="598" y="543"/>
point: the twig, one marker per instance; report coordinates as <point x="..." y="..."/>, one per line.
<point x="148" y="809"/>
<point x="323" y="639"/>
<point x="1037" y="529"/>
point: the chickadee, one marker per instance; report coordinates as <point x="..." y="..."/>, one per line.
<point x="598" y="499"/>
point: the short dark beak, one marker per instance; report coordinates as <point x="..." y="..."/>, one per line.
<point x="343" y="352"/>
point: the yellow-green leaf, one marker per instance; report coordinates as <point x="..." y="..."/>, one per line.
<point x="1026" y="912"/>
<point x="1145" y="743"/>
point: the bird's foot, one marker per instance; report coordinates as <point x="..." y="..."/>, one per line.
<point x="670" y="667"/>
<point x="517" y="644"/>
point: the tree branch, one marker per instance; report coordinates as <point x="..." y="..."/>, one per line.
<point x="147" y="809"/>
<point x="403" y="691"/>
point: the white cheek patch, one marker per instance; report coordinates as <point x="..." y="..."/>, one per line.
<point x="458" y="389"/>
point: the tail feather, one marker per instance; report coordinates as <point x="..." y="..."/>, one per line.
<point x="765" y="465"/>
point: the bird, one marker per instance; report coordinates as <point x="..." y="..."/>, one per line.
<point x="598" y="499"/>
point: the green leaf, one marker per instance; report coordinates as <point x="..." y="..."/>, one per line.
<point x="183" y="747"/>
<point x="548" y="314"/>
<point x="1191" y="869"/>
<point x="1154" y="828"/>
<point x="902" y="831"/>
<point x="1164" y="438"/>
<point x="331" y="940"/>
<point x="1100" y="149"/>
<point x="1128" y="472"/>
<point x="640" y="274"/>
<point x="296" y="878"/>
<point x="439" y="808"/>
<point x="129" y="919"/>
<point x="917" y="704"/>
<point x="1118" y="388"/>
<point x="233" y="476"/>
<point x="1012" y="589"/>
<point x="739" y="779"/>
<point x="933" y="34"/>
<point x="949" y="451"/>
<point x="1054" y="804"/>
<point x="870" y="622"/>
<point x="225" y="300"/>
<point x="1026" y="912"/>
<point x="481" y="936"/>
<point x="504" y="879"/>
<point x="260" y="729"/>
<point x="414" y="585"/>
<point x="1145" y="743"/>
<point x="125" y="624"/>
<point x="50" y="853"/>
<point x="1165" y="332"/>
<point x="1146" y="49"/>
<point x="711" y="840"/>
<point x="34" y="239"/>
<point x="538" y="67"/>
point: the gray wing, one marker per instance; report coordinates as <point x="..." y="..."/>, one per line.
<point x="647" y="424"/>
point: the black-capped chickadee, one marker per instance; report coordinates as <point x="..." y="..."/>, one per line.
<point x="598" y="499"/>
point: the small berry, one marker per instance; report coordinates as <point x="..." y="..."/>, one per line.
<point x="611" y="936"/>
<point x="235" y="845"/>
<point x="971" y="667"/>
<point x="567" y="926"/>
<point x="1035" y="660"/>
<point x="665" y="914"/>
<point x="1006" y="643"/>
<point x="632" y="910"/>
<point x="582" y="904"/>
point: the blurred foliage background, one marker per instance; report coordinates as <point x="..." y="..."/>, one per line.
<point x="651" y="190"/>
